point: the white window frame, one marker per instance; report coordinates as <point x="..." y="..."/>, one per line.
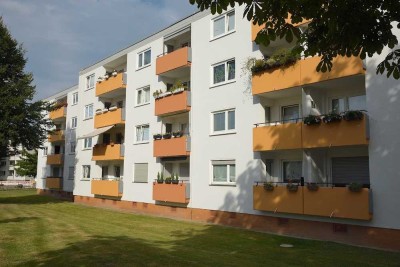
<point x="87" y="144"/>
<point x="226" y="114"/>
<point x="140" y="62"/>
<point x="141" y="128"/>
<point x="83" y="172"/>
<point x="72" y="145"/>
<point x="215" y="162"/>
<point x="289" y="106"/>
<point x="74" y="122"/>
<point x="69" y="173"/>
<point x="226" y="23"/>
<point x="89" y="84"/>
<point x="345" y="98"/>
<point x="75" y="98"/>
<point x="142" y="89"/>
<point x="289" y="160"/>
<point x="226" y="80"/>
<point x="86" y="112"/>
<point x="45" y="151"/>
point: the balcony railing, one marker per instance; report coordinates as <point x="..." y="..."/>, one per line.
<point x="108" y="152"/>
<point x="175" y="60"/>
<point x="173" y="103"/>
<point x="54" y="182"/>
<point x="107" y="187"/>
<point x="58" y="113"/>
<point x="109" y="117"/>
<point x="173" y="147"/>
<point x="55" y="159"/>
<point x="175" y="193"/>
<point x="56" y="136"/>
<point x="112" y="84"/>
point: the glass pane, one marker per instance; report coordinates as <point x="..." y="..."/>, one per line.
<point x="231" y="21"/>
<point x="337" y="105"/>
<point x="290" y="114"/>
<point x="358" y="102"/>
<point x="220" y="173"/>
<point x="219" y="121"/>
<point x="219" y="73"/>
<point x="140" y="61"/>
<point x="139" y="97"/>
<point x="145" y="133"/>
<point x="138" y="134"/>
<point x="147" y="95"/>
<point x="219" y="26"/>
<point x="292" y="170"/>
<point x="147" y="57"/>
<point x="231" y="70"/>
<point x="231" y="120"/>
<point x="232" y="173"/>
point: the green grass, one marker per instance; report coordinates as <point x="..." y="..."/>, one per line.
<point x="41" y="231"/>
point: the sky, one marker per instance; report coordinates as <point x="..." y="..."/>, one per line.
<point x="61" y="37"/>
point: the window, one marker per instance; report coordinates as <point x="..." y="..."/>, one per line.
<point x="292" y="170"/>
<point x="224" y="171"/>
<point x="342" y="104"/>
<point x="223" y="72"/>
<point x="144" y="58"/>
<point x="2" y="163"/>
<point x="74" y="122"/>
<point x="347" y="170"/>
<point x="104" y="171"/>
<point x="89" y="111"/>
<point x="223" y="24"/>
<point x="142" y="133"/>
<point x="74" y="98"/>
<point x="143" y="95"/>
<point x="90" y="82"/>
<point x="140" y="173"/>
<point x="86" y="171"/>
<point x="290" y="113"/>
<point x="2" y="173"/>
<point x="71" y="173"/>
<point x="12" y="162"/>
<point x="11" y="173"/>
<point x="117" y="171"/>
<point x="87" y="143"/>
<point x="224" y="121"/>
<point x="44" y="172"/>
<point x="72" y="147"/>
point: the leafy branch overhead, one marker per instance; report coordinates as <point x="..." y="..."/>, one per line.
<point x="341" y="27"/>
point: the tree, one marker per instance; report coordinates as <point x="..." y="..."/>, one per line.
<point x="27" y="165"/>
<point x="340" y="27"/>
<point x="22" y="122"/>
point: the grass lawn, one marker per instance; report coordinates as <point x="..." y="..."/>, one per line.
<point x="38" y="230"/>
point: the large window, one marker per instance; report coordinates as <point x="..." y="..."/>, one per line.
<point x="90" y="82"/>
<point x="292" y="171"/>
<point x="87" y="143"/>
<point x="89" y="111"/>
<point x="223" y="171"/>
<point x="74" y="98"/>
<point x="144" y="58"/>
<point x="290" y="113"/>
<point x="223" y="24"/>
<point x="223" y="72"/>
<point x="223" y="121"/>
<point x="140" y="173"/>
<point x="348" y="103"/>
<point x="143" y="95"/>
<point x="74" y="122"/>
<point x="142" y="133"/>
<point x="86" y="171"/>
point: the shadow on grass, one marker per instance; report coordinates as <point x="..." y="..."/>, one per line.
<point x="29" y="199"/>
<point x="18" y="219"/>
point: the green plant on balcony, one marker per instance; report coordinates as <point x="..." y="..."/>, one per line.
<point x="312" y="120"/>
<point x="177" y="134"/>
<point x="160" y="178"/>
<point x="269" y="186"/>
<point x="353" y="115"/>
<point x="292" y="187"/>
<point x="157" y="93"/>
<point x="280" y="58"/>
<point x="168" y="180"/>
<point x="157" y="136"/>
<point x="355" y="187"/>
<point x="331" y="117"/>
<point x="175" y="179"/>
<point x="312" y="186"/>
<point x="166" y="136"/>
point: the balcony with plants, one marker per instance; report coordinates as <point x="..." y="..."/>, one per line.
<point x="113" y="113"/>
<point x="59" y="110"/>
<point x="111" y="83"/>
<point x="174" y="99"/>
<point x="171" y="189"/>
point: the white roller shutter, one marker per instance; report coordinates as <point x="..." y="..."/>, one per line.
<point x="140" y="172"/>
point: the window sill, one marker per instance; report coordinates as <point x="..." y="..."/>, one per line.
<point x="140" y="105"/>
<point x="222" y="35"/>
<point x="143" y="67"/>
<point x="133" y="182"/>
<point x="223" y="184"/>
<point x="86" y="119"/>
<point x="71" y="153"/>
<point x="222" y="83"/>
<point x="85" y="179"/>
<point x="141" y="143"/>
<point x="223" y="133"/>
<point x="87" y="89"/>
<point x="89" y="148"/>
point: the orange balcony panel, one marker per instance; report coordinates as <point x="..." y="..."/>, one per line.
<point x="256" y="28"/>
<point x="109" y="188"/>
<point x="176" y="193"/>
<point x="111" y="84"/>
<point x="58" y="113"/>
<point x="108" y="152"/>
<point x="279" y="200"/>
<point x="174" y="60"/>
<point x="172" y="147"/>
<point x="175" y="103"/>
<point x="54" y="182"/>
<point x="109" y="118"/>
<point x="338" y="202"/>
<point x="55" y="159"/>
<point x="343" y="133"/>
<point x="56" y="136"/>
<point x="276" y="137"/>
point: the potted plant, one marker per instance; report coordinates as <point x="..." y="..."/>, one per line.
<point x="106" y="76"/>
<point x="331" y="117"/>
<point x="114" y="73"/>
<point x="175" y="179"/>
<point x="312" y="120"/>
<point x="177" y="134"/>
<point x="156" y="94"/>
<point x="168" y="180"/>
<point x="291" y="187"/>
<point x="100" y="79"/>
<point x="157" y="136"/>
<point x="312" y="186"/>
<point x="166" y="136"/>
<point x="269" y="186"/>
<point x="355" y="187"/>
<point x="353" y="115"/>
<point x="160" y="178"/>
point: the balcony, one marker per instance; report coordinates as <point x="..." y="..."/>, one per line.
<point x="54" y="182"/>
<point x="175" y="193"/>
<point x="277" y="137"/>
<point x="55" y="159"/>
<point x="341" y="133"/>
<point x="256" y="28"/>
<point x="303" y="72"/>
<point x="174" y="147"/>
<point x="170" y="64"/>
<point x="111" y="85"/>
<point x="109" y="188"/>
<point x="56" y="136"/>
<point x="108" y="152"/>
<point x="110" y="117"/>
<point x="172" y="104"/>
<point x="59" y="113"/>
<point x="333" y="202"/>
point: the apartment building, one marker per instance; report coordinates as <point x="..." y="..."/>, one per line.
<point x="287" y="150"/>
<point x="7" y="167"/>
